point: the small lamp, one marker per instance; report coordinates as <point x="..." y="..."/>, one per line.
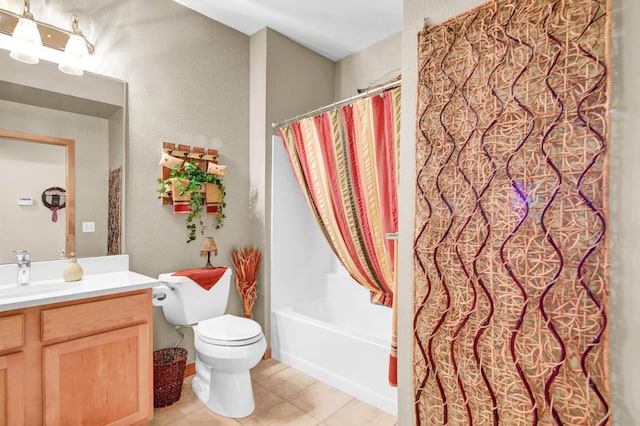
<point x="208" y="246"/>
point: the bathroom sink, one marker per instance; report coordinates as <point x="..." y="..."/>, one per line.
<point x="35" y="288"/>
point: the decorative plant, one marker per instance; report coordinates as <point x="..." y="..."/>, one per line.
<point x="246" y="262"/>
<point x="191" y="181"/>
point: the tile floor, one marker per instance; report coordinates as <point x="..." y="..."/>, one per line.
<point x="284" y="396"/>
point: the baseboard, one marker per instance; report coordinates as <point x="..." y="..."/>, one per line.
<point x="190" y="369"/>
<point x="267" y="353"/>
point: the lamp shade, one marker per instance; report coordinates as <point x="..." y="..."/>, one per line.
<point x="74" y="51"/>
<point x="208" y="246"/>
<point x="26" y="40"/>
<point x="74" y="54"/>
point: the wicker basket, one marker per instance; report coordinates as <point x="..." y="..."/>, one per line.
<point x="168" y="375"/>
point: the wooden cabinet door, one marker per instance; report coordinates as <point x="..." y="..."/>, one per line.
<point x="104" y="379"/>
<point x="12" y="390"/>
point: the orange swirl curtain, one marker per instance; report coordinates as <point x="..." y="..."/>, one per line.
<point x="345" y="161"/>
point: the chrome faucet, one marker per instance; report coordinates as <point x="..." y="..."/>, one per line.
<point x="23" y="258"/>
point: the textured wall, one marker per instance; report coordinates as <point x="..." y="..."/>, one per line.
<point x="368" y="67"/>
<point x="188" y="82"/>
<point x="187" y="85"/>
<point x="286" y="79"/>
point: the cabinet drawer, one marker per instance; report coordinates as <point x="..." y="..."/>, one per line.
<point x="11" y="332"/>
<point x="94" y="317"/>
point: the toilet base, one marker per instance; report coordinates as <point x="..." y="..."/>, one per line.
<point x="227" y="394"/>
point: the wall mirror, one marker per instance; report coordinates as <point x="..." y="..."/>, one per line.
<point x="39" y="107"/>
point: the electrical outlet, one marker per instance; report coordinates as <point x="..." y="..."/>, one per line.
<point x="88" y="227"/>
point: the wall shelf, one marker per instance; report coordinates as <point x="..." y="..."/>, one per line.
<point x="199" y="155"/>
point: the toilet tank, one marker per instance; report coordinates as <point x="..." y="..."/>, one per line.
<point x="188" y="303"/>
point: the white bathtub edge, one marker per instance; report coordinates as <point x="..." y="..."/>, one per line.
<point x="387" y="405"/>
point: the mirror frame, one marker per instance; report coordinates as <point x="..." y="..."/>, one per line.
<point x="70" y="157"/>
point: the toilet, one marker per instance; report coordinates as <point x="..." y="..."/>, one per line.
<point x="227" y="346"/>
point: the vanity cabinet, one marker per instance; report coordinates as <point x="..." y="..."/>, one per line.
<point x="84" y="362"/>
<point x="12" y="370"/>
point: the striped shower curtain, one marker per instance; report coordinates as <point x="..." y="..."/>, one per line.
<point x="345" y="161"/>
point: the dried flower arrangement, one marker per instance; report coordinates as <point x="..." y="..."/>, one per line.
<point x="246" y="261"/>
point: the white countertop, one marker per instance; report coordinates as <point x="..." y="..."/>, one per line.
<point x="100" y="281"/>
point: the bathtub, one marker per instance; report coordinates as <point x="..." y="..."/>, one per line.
<point x="343" y="343"/>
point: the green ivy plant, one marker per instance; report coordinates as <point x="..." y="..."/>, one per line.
<point x="195" y="177"/>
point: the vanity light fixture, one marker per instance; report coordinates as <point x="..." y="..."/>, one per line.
<point x="29" y="41"/>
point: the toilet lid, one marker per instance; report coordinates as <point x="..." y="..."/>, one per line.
<point x="229" y="330"/>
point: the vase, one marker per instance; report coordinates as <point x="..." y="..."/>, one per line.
<point x="72" y="271"/>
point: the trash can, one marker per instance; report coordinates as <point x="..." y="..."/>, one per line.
<point x="168" y="375"/>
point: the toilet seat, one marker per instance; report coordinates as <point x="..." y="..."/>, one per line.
<point x="229" y="330"/>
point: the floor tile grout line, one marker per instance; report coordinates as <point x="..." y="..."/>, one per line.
<point x="288" y="399"/>
<point x="271" y="374"/>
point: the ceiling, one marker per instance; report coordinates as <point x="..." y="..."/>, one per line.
<point x="333" y="28"/>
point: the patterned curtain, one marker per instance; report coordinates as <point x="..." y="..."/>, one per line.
<point x="345" y="161"/>
<point x="511" y="258"/>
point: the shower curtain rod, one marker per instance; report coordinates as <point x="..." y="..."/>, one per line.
<point x="368" y="92"/>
